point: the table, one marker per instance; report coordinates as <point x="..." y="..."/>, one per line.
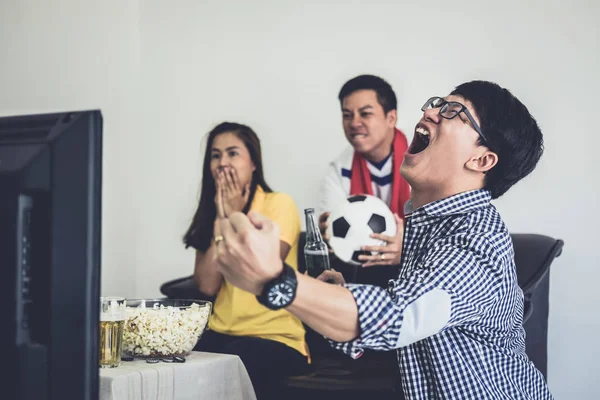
<point x="204" y="376"/>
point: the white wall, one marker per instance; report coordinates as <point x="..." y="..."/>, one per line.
<point x="164" y="75"/>
<point x="74" y="55"/>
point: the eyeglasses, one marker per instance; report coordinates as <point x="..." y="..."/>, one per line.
<point x="450" y="109"/>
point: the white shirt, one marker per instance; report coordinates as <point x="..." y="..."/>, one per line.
<point x="335" y="186"/>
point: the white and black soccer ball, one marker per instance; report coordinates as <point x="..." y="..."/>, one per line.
<point x="352" y="222"/>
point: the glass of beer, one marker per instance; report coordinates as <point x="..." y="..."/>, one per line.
<point x="112" y="321"/>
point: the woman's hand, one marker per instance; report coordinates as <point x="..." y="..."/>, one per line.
<point x="231" y="196"/>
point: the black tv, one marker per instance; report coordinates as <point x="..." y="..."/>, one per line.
<point x="50" y="214"/>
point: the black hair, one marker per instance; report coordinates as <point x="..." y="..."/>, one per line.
<point x="511" y="131"/>
<point x="385" y="94"/>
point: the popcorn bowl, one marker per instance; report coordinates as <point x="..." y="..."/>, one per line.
<point x="159" y="328"/>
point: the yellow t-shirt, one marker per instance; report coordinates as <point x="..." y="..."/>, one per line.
<point x="237" y="312"/>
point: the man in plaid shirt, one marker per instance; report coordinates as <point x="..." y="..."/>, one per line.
<point x="455" y="312"/>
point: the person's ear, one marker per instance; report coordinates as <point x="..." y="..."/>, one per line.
<point x="485" y="161"/>
<point x="391" y="118"/>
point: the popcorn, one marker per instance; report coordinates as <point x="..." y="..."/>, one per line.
<point x="163" y="331"/>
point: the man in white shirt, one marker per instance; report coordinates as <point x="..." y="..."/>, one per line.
<point x="372" y="164"/>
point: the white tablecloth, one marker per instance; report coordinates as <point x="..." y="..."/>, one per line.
<point x="204" y="376"/>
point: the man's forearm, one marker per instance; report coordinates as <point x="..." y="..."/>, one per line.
<point x="328" y="309"/>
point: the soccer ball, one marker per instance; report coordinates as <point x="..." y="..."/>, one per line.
<point x="351" y="224"/>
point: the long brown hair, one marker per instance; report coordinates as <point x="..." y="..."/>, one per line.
<point x="200" y="231"/>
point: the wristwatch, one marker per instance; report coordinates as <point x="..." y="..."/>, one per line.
<point x="281" y="291"/>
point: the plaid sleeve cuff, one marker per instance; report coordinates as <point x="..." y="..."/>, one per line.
<point x="379" y="321"/>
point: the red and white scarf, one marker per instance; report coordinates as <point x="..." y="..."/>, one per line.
<point x="360" y="182"/>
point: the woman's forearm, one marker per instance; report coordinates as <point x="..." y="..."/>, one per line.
<point x="206" y="273"/>
<point x="328" y="309"/>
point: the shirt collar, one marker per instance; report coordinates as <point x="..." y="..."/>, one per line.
<point x="379" y="165"/>
<point x="460" y="203"/>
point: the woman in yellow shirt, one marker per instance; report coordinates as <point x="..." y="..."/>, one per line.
<point x="270" y="343"/>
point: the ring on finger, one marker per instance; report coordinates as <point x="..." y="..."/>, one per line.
<point x="219" y="239"/>
<point x="382" y="257"/>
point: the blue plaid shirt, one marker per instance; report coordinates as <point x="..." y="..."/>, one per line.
<point x="455" y="313"/>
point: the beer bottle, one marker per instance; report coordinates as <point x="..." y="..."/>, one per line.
<point x="316" y="253"/>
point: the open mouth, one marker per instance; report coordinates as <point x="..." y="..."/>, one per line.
<point x="420" y="141"/>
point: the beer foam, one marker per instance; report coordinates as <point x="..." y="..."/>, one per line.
<point x="113" y="311"/>
<point x="112" y="317"/>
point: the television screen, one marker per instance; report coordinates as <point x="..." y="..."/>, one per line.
<point x="50" y="214"/>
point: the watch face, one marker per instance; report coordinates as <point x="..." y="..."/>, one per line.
<point x="280" y="294"/>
